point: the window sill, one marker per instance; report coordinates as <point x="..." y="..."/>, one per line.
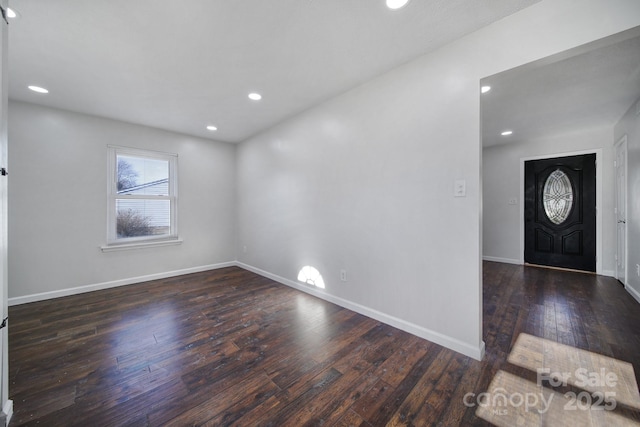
<point x="140" y="245"/>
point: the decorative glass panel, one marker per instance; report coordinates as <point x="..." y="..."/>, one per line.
<point x="557" y="197"/>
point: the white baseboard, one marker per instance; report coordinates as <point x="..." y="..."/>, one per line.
<point x="8" y="410"/>
<point x="503" y="260"/>
<point x="609" y="273"/>
<point x="112" y="284"/>
<point x="436" y="337"/>
<point x="433" y="336"/>
<point x="635" y="294"/>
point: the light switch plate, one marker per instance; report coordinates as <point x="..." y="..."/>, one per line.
<point x="460" y="188"/>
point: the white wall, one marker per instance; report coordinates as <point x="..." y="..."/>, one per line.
<point x="501" y="182"/>
<point x="57" y="190"/>
<point x="630" y="125"/>
<point x="365" y="181"/>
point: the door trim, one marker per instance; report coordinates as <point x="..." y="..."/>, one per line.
<point x="598" y="153"/>
<point x="622" y="142"/>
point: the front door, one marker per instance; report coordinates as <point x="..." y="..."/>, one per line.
<point x="560" y="212"/>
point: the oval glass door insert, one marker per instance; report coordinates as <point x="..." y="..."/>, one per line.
<point x="557" y="197"/>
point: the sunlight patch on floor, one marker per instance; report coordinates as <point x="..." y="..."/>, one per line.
<point x="572" y="387"/>
<point x="311" y="276"/>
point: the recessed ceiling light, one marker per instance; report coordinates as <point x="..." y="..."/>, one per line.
<point x="485" y="89"/>
<point x="396" y="4"/>
<point x="212" y="127"/>
<point x="255" y="96"/>
<point x="506" y="133"/>
<point x="38" y="89"/>
<point x="11" y="13"/>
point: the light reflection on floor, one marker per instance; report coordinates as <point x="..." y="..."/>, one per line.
<point x="158" y="325"/>
<point x="310" y="311"/>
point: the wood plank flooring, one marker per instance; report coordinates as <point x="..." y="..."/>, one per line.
<point x="228" y="347"/>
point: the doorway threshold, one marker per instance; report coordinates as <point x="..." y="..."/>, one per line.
<point x="550" y="267"/>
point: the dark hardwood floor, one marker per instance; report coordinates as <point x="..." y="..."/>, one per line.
<point x="228" y="347"/>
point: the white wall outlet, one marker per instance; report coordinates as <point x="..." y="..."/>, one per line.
<point x="513" y="201"/>
<point x="638" y="269"/>
<point x="343" y="275"/>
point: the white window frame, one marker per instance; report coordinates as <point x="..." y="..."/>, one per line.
<point x="115" y="243"/>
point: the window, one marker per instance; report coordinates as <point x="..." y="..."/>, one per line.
<point x="142" y="197"/>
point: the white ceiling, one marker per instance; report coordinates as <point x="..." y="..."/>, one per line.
<point x="591" y="86"/>
<point x="181" y="65"/>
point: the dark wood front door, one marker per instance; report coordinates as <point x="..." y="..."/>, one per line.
<point x="560" y="212"/>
